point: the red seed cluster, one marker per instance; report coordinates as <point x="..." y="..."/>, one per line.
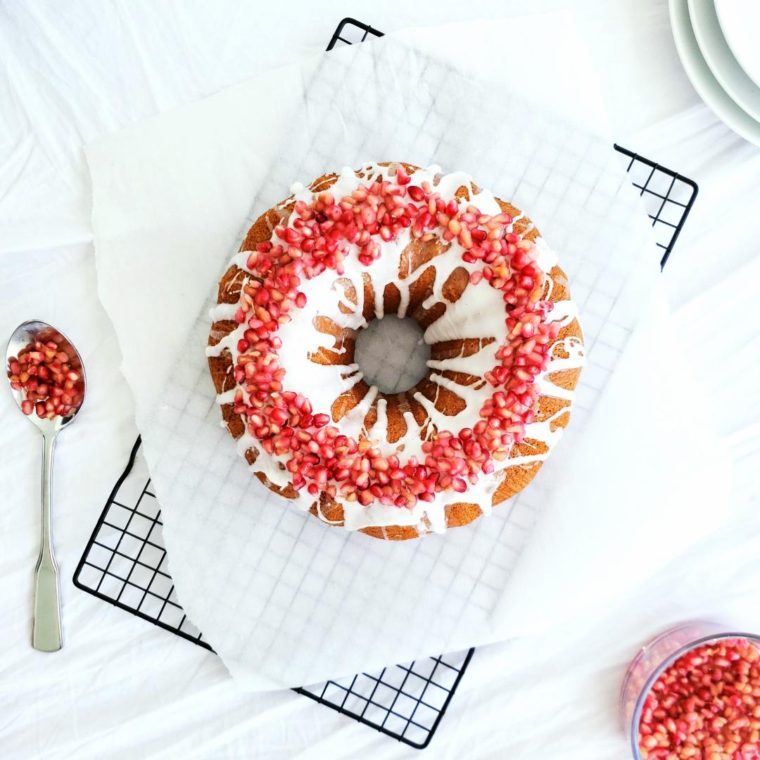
<point x="705" y="706"/>
<point x="48" y="377"/>
<point x="321" y="233"/>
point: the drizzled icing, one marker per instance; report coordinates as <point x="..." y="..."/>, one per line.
<point x="477" y="313"/>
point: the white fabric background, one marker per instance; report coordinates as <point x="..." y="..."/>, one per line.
<point x="122" y="688"/>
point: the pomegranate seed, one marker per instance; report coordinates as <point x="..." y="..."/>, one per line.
<point x="402" y="177"/>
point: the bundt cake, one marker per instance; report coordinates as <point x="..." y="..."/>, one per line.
<point x="506" y="349"/>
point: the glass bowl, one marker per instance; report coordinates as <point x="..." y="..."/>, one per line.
<point x="655" y="658"/>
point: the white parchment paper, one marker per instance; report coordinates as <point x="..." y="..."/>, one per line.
<point x="286" y="600"/>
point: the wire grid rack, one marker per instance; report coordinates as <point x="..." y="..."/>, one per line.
<point x="124" y="562"/>
<point x="668" y="195"/>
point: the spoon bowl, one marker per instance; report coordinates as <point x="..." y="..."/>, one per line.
<point x="47" y="381"/>
<point x="25" y="335"/>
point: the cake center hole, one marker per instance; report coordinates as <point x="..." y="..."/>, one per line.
<point x="391" y="354"/>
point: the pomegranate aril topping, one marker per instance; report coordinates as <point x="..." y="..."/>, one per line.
<point x="317" y="239"/>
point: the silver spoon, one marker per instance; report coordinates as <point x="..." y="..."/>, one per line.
<point x="46" y="630"/>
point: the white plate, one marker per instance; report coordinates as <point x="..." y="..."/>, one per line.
<point x="701" y="77"/>
<point x="720" y="59"/>
<point x="740" y="22"/>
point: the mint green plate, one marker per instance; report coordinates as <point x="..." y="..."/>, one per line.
<point x="704" y="81"/>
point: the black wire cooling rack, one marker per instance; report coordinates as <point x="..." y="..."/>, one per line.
<point x="669" y="196"/>
<point x="124" y="562"/>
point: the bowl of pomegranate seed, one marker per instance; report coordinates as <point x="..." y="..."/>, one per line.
<point x="693" y="693"/>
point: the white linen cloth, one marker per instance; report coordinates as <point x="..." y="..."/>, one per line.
<point x="123" y="685"/>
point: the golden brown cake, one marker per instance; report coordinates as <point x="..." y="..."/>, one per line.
<point x="505" y="349"/>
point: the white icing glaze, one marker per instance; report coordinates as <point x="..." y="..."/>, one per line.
<point x="477" y="313"/>
<point x="545" y="256"/>
<point x="223" y="311"/>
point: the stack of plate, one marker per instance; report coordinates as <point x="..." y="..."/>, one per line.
<point x="718" y="42"/>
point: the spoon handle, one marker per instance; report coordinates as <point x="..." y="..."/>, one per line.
<point x="46" y="630"/>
